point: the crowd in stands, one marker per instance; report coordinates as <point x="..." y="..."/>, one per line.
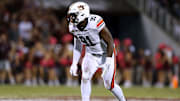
<point x="34" y="46"/>
<point x="35" y="49"/>
<point x="143" y="67"/>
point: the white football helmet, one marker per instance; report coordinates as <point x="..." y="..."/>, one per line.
<point x="78" y="12"/>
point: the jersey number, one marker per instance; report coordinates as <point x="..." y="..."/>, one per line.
<point x="86" y="40"/>
<point x="93" y="18"/>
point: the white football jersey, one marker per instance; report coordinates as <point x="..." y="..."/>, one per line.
<point x="90" y="35"/>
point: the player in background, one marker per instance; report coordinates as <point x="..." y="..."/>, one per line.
<point x="90" y="30"/>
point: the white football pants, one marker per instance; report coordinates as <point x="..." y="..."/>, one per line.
<point x="89" y="66"/>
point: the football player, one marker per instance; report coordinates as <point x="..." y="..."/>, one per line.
<point x="90" y="30"/>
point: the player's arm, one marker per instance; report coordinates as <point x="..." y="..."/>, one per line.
<point x="77" y="45"/>
<point x="76" y="56"/>
<point x="76" y="51"/>
<point x="106" y="36"/>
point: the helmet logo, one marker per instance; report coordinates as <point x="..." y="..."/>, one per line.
<point x="81" y="7"/>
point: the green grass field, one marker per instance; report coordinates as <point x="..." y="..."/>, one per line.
<point x="19" y="91"/>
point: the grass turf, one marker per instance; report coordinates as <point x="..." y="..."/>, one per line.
<point x="19" y="91"/>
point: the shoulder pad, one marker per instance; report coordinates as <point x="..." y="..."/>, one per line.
<point x="97" y="22"/>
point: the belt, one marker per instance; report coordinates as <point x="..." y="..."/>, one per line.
<point x="97" y="55"/>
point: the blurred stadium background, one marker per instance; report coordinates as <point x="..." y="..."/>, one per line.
<point x="36" y="50"/>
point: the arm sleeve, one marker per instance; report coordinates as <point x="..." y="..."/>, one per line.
<point x="76" y="51"/>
